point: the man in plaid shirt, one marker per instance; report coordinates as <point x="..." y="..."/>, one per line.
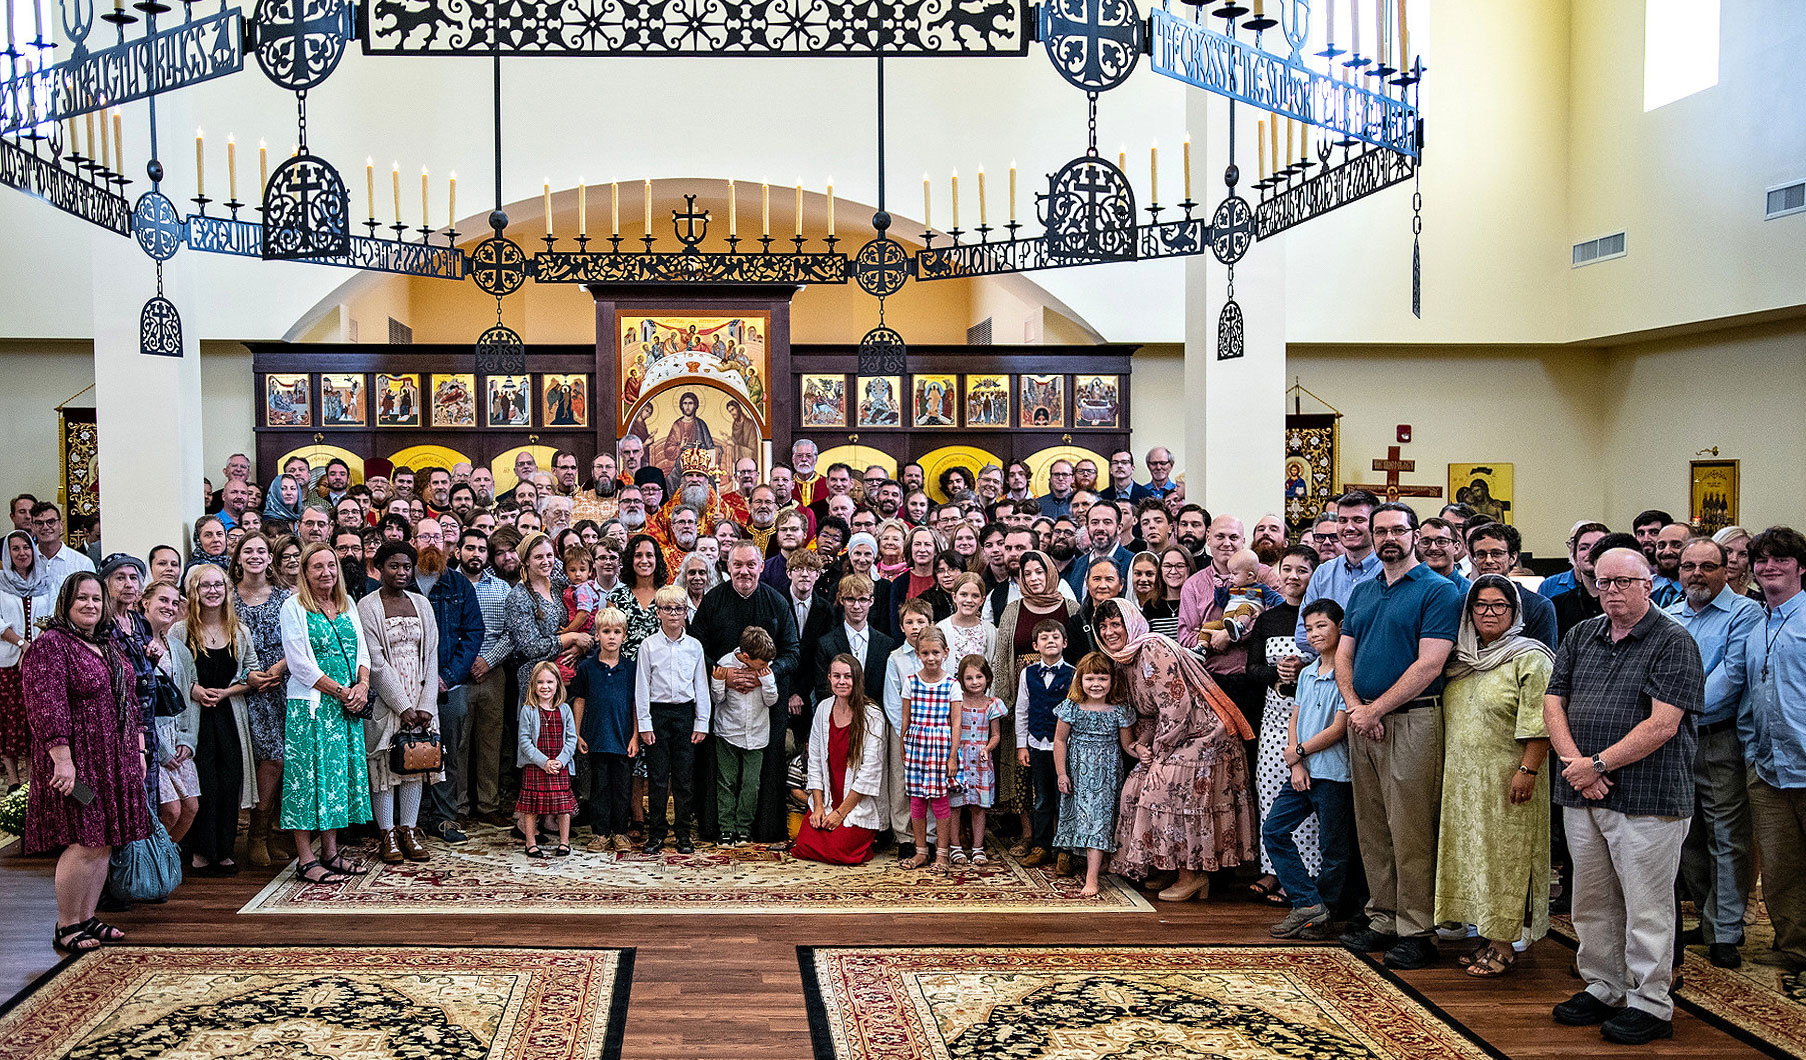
<point x="1620" y="709"/>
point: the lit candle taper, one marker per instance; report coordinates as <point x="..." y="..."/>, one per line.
<point x="733" y="211"/>
<point x="200" y="157"/>
<point x="1012" y="191"/>
<point x="956" y="199"/>
<point x="981" y="196"/>
<point x="582" y="208"/>
<point x="106" y="134"/>
<point x="231" y="167"/>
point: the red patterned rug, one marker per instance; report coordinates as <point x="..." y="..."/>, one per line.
<point x="281" y="1003"/>
<point x="490" y="874"/>
<point x="1108" y="1003"/>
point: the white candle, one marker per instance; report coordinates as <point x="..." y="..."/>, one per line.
<point x="451" y="208"/>
<point x="118" y="131"/>
<point x="614" y="208"/>
<point x="582" y="209"/>
<point x="1185" y="162"/>
<point x="369" y="185"/>
<point x="764" y="210"/>
<point x="426" y="221"/>
<point x="106" y="134"/>
<point x="648" y="207"/>
<point x="733" y="211"/>
<point x="231" y="167"/>
<point x="1012" y="191"/>
<point x="395" y="180"/>
<point x="927" y="203"/>
<point x="830" y="205"/>
<point x="981" y="195"/>
<point x="200" y="157"/>
<point x="799" y="208"/>
<point x="263" y="168"/>
<point x="548" y="203"/>
<point x="956" y="198"/>
<point x="1154" y="171"/>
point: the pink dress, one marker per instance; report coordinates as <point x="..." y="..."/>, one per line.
<point x="70" y="699"/>
<point x="977" y="772"/>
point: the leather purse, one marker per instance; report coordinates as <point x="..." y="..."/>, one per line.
<point x="415" y="751"/>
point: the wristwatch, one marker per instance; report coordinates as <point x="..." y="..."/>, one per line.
<point x="1299" y="751"/>
<point x="1599" y="765"/>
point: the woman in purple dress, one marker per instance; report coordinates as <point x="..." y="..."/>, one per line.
<point x="87" y="745"/>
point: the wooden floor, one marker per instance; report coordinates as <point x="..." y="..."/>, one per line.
<point x="725" y="986"/>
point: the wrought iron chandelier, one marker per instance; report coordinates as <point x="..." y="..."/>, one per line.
<point x="1361" y="109"/>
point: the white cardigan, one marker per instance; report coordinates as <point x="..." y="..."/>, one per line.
<point x="303" y="668"/>
<point x="12" y="616"/>
<point x="867" y="780"/>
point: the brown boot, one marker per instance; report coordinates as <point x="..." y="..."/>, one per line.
<point x="1036" y="856"/>
<point x="257" y="838"/>
<point x="412" y="846"/>
<point x="1063" y="864"/>
<point x="388" y="847"/>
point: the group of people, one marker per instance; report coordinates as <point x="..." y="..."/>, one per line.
<point x="1392" y="731"/>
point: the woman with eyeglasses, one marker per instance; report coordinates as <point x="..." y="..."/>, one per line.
<point x="1492" y="861"/>
<point x="1160" y="602"/>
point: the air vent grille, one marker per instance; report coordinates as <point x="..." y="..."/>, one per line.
<point x="1785" y="199"/>
<point x="979" y="334"/>
<point x="399" y="334"/>
<point x="1612" y="246"/>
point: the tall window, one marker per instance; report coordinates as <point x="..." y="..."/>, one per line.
<point x="1680" y="50"/>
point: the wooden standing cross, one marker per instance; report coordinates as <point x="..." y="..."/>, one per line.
<point x="1392" y="491"/>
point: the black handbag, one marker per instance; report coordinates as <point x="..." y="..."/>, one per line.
<point x="415" y="751"/>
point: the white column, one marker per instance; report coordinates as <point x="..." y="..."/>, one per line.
<point x="148" y="408"/>
<point x="1235" y="410"/>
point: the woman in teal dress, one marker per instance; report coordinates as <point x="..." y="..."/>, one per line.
<point x="325" y="781"/>
<point x="1492" y="863"/>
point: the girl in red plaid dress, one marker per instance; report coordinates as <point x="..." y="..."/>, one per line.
<point x="548" y="744"/>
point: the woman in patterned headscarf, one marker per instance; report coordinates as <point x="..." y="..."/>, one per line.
<point x="24" y="599"/>
<point x="1185" y="807"/>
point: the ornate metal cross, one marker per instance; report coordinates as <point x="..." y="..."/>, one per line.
<point x="1393" y="466"/>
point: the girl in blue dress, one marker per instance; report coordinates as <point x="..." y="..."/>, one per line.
<point x="1093" y="731"/>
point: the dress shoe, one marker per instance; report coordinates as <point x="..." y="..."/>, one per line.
<point x="1633" y="1026"/>
<point x="653" y="847"/>
<point x="1724" y="955"/>
<point x="412" y="846"/>
<point x="1584" y="1010"/>
<point x="1198" y="888"/>
<point x="1034" y="857"/>
<point x="494" y="819"/>
<point x="1411" y="954"/>
<point x="684" y="846"/>
<point x="1368" y="940"/>
<point x="1693" y="937"/>
<point x="388" y="847"/>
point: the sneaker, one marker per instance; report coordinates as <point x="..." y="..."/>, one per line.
<point x="1327" y="931"/>
<point x="1368" y="940"/>
<point x="448" y="832"/>
<point x="1584" y="1010"/>
<point x="599" y="845"/>
<point x="1298" y="919"/>
<point x="1633" y="1026"/>
<point x="621" y="844"/>
<point x="1411" y="954"/>
<point x="684" y="846"/>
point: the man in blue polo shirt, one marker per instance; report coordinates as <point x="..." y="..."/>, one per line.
<point x="1397" y="635"/>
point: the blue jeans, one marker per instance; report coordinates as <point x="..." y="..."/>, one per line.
<point x="1333" y="803"/>
<point x="444" y="798"/>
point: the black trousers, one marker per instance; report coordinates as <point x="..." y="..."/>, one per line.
<point x="220" y="768"/>
<point x="610" y="792"/>
<point x="1046" y="779"/>
<point x="670" y="769"/>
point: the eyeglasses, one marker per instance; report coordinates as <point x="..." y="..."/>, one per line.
<point x="673" y="610"/>
<point x="1621" y="584"/>
<point x="1324" y="539"/>
<point x="1708" y="566"/>
<point x="1484" y="607"/>
<point x="1490" y="553"/>
<point x="1392" y="531"/>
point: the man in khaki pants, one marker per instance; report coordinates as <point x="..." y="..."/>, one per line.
<point x="1396" y="636"/>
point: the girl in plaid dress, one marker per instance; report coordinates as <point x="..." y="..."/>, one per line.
<point x="930" y="747"/>
<point x="548" y="744"/>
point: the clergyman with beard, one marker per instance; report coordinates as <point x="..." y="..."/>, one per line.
<point x="461" y="635"/>
<point x="600" y="501"/>
<point x="632" y="510"/>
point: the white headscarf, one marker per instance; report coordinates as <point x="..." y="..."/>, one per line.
<point x="1470" y="657"/>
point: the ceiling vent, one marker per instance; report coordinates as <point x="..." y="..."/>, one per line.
<point x="1784" y="199"/>
<point x="1600" y="249"/>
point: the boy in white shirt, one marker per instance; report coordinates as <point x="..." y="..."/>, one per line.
<point x="742" y="726"/>
<point x="672" y="698"/>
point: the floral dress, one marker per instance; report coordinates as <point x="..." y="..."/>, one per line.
<point x="642" y="622"/>
<point x="69" y="693"/>
<point x="929" y="740"/>
<point x="265" y="709"/>
<point x="977" y="772"/>
<point x="325" y="782"/>
<point x="1094" y="764"/>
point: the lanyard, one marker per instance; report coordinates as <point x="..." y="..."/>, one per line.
<point x="1769" y="649"/>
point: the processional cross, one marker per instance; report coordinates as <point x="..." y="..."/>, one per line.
<point x="1393" y="467"/>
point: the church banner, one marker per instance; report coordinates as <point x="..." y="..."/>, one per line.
<point x="80" y="444"/>
<point x="1312" y="444"/>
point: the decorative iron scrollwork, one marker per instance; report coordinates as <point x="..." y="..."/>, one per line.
<point x="1093" y="43"/>
<point x="882" y="352"/>
<point x="697" y="27"/>
<point x="499" y="266"/>
<point x="160" y="329"/>
<point x="881" y="267"/>
<point x="300" y="42"/>
<point x="1231" y="230"/>
<point x="1231" y="331"/>
<point x="156" y="226"/>
<point x="1089" y="211"/>
<point x="307" y="211"/>
<point x="500" y="351"/>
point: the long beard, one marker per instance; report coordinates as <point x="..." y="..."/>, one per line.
<point x="1268" y="551"/>
<point x="605" y="487"/>
<point x="695" y="496"/>
<point x="685" y="542"/>
<point x="430" y="560"/>
<point x="633" y="520"/>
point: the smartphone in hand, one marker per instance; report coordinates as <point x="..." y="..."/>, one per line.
<point x="82" y="793"/>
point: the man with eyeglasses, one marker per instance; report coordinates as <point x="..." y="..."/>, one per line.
<point x="1494" y="548"/>
<point x="990" y="484"/>
<point x="631" y="509"/>
<point x="1058" y="498"/>
<point x="1620" y="708"/>
<point x="1160" y="473"/>
<point x="54" y="557"/>
<point x="1437" y="550"/>
<point x="1325" y="538"/>
<point x="738" y="500"/>
<point x="1397" y="634"/>
<point x="1717" y="859"/>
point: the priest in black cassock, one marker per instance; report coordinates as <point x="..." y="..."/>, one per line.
<point x="742" y="601"/>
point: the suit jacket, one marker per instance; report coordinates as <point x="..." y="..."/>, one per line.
<point x="823" y="616"/>
<point x="878" y="646"/>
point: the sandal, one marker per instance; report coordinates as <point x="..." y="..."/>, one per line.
<point x="103" y="931"/>
<point x="979" y="857"/>
<point x="943" y="866"/>
<point x="916" y="862"/>
<point x="1470" y="957"/>
<point x="562" y="850"/>
<point x="960" y="858"/>
<point x="1489" y="963"/>
<point x="337" y="864"/>
<point x="1265" y="887"/>
<point x="535" y="852"/>
<point x="73" y="939"/>
<point x="330" y="877"/>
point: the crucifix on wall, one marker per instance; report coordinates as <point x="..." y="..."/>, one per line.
<point x="1393" y="466"/>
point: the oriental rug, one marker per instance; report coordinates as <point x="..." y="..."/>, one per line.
<point x="1762" y="1006"/>
<point x="281" y="1003"/>
<point x="490" y="874"/>
<point x="1142" y="1002"/>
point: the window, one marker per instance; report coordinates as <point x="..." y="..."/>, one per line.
<point x="1680" y="50"/>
